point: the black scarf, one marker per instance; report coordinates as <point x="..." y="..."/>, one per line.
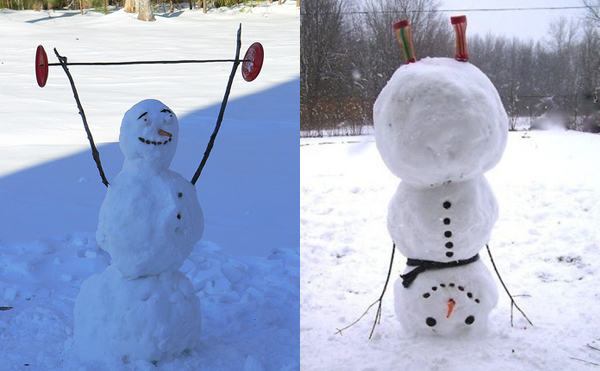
<point x="425" y="265"/>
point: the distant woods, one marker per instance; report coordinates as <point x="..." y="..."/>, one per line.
<point x="348" y="53"/>
<point x="129" y="5"/>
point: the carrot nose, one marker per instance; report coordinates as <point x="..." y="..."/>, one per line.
<point x="164" y="133"/>
<point x="451" y="304"/>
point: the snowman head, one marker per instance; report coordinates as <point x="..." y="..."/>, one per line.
<point x="450" y="301"/>
<point x="439" y="120"/>
<point x="149" y="133"/>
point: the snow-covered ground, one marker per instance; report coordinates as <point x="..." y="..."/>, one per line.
<point x="246" y="267"/>
<point x="546" y="245"/>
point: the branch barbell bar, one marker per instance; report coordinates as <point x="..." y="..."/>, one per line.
<point x="251" y="64"/>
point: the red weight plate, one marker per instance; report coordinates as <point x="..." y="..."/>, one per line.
<point x="255" y="56"/>
<point x="41" y="66"/>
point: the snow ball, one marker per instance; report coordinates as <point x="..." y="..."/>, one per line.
<point x="439" y="120"/>
<point x="138" y="224"/>
<point x="149" y="134"/>
<point x="450" y="301"/>
<point x="454" y="221"/>
<point x="135" y="318"/>
<point x="232" y="272"/>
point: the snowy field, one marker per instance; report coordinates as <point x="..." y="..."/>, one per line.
<point x="546" y="245"/>
<point x="245" y="269"/>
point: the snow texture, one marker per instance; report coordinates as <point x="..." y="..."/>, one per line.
<point x="546" y="245"/>
<point x="154" y="318"/>
<point x="439" y="120"/>
<point x="244" y="270"/>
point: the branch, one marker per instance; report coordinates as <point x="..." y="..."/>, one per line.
<point x="513" y="304"/>
<point x="211" y="142"/>
<point x="380" y="301"/>
<point x="95" y="154"/>
<point x="591" y="347"/>
<point x="583" y="360"/>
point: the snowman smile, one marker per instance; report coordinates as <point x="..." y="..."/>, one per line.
<point x="158" y="143"/>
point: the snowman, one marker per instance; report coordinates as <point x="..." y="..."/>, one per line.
<point x="439" y="126"/>
<point x="141" y="306"/>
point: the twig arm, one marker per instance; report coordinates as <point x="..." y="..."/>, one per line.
<point x="512" y="300"/>
<point x="95" y="154"/>
<point x="211" y="142"/>
<point x="380" y="301"/>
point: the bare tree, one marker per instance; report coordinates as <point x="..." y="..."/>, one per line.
<point x="589" y="68"/>
<point x="129" y="6"/>
<point x="145" y="11"/>
<point x="321" y="35"/>
<point x="431" y="31"/>
<point x="593" y="10"/>
<point x="562" y="68"/>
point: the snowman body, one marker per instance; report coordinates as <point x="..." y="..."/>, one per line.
<point x="444" y="223"/>
<point x="154" y="318"/>
<point x="149" y="222"/>
<point x="439" y="126"/>
<point x="141" y="306"/>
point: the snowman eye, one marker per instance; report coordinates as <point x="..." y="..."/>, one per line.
<point x="430" y="321"/>
<point x="469" y="320"/>
<point x="142" y="115"/>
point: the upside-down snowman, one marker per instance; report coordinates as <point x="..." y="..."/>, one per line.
<point x="141" y="306"/>
<point x="439" y="126"/>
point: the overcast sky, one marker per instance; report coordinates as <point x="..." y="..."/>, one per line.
<point x="521" y="23"/>
<point x="526" y="24"/>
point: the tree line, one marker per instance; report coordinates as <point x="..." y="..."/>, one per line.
<point x="348" y="53"/>
<point x="87" y="4"/>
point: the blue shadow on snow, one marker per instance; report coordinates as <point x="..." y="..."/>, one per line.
<point x="249" y="189"/>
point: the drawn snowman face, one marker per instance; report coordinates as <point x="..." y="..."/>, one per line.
<point x="449" y="307"/>
<point x="149" y="134"/>
<point x="447" y="301"/>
